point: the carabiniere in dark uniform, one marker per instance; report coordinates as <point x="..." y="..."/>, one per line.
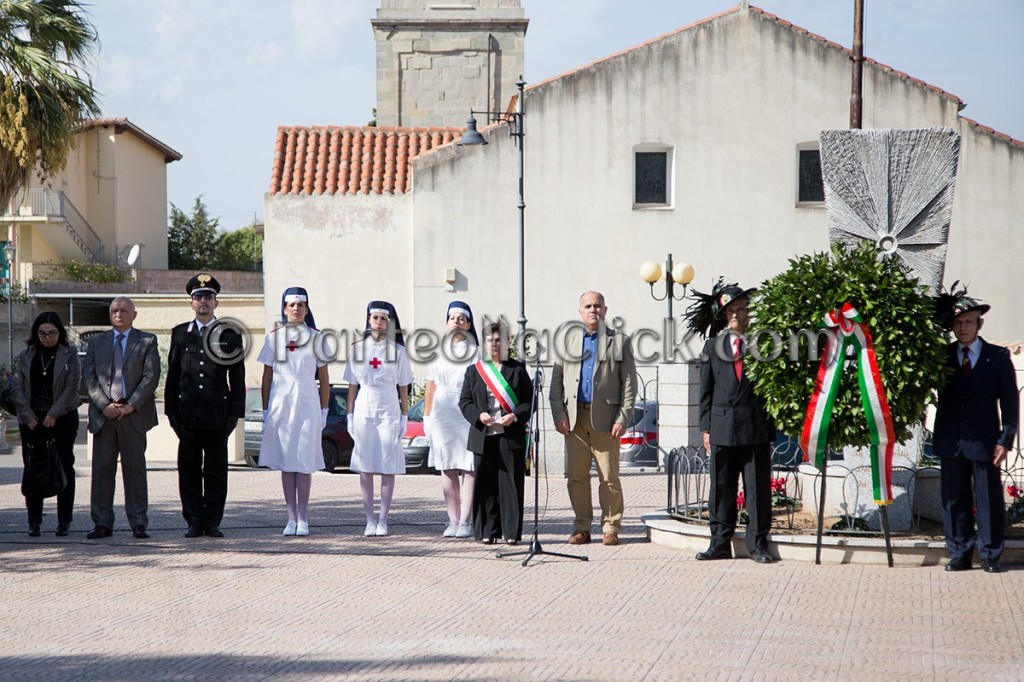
<point x="204" y="398"/>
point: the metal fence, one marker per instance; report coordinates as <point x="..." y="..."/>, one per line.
<point x="689" y="491"/>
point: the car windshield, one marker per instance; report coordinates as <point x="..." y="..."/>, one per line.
<point x="253" y="400"/>
<point x="416" y="411"/>
<point x="338" y="406"/>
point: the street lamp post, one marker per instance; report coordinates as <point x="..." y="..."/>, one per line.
<point x="514" y="119"/>
<point x="9" y="251"/>
<point x="680" y="273"/>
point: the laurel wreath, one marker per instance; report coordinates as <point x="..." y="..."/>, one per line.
<point x="909" y="343"/>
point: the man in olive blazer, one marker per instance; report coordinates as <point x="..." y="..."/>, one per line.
<point x="120" y="416"/>
<point x="593" y="390"/>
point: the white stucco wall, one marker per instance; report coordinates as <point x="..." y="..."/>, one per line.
<point x="734" y="98"/>
<point x="345" y="250"/>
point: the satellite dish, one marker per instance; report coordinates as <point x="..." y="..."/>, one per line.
<point x="133" y="255"/>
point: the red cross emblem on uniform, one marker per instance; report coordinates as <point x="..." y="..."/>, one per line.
<point x="292" y="346"/>
<point x="375" y="363"/>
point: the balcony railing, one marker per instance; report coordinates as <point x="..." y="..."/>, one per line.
<point x="53" y="205"/>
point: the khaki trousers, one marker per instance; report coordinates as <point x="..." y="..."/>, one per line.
<point x="583" y="445"/>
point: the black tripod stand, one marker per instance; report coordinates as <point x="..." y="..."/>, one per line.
<point x="535" y="546"/>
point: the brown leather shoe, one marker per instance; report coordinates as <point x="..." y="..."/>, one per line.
<point x="580" y="537"/>
<point x="610" y="539"/>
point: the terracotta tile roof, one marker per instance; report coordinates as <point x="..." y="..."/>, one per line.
<point x="994" y="133"/>
<point x="120" y="125"/>
<point x="351" y="159"/>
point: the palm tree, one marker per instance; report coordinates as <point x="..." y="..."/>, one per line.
<point x="44" y="91"/>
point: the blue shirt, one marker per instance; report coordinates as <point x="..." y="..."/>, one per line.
<point x="585" y="394"/>
<point x="124" y="345"/>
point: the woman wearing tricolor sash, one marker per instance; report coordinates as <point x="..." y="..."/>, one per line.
<point x="444" y="424"/>
<point x="496" y="400"/>
<point x="378" y="376"/>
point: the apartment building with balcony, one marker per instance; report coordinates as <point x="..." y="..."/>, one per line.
<point x="111" y="196"/>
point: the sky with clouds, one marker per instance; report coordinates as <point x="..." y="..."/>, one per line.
<point x="214" y="79"/>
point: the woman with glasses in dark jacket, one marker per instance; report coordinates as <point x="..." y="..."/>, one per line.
<point x="46" y="394"/>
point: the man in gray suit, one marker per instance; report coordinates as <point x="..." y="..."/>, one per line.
<point x="593" y="389"/>
<point x="121" y="371"/>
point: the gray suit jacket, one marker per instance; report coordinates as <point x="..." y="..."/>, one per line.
<point x="141" y="377"/>
<point x="614" y="379"/>
<point x="67" y="374"/>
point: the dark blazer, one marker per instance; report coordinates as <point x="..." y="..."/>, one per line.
<point x="201" y="393"/>
<point x="968" y="416"/>
<point x="67" y="375"/>
<point x="141" y="377"/>
<point x="473" y="401"/>
<point x="729" y="409"/>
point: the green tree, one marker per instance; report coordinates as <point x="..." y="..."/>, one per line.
<point x="241" y="249"/>
<point x="44" y="90"/>
<point x="192" y="240"/>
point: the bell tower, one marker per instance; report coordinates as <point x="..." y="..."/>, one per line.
<point x="437" y="59"/>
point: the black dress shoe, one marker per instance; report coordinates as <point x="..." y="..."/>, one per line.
<point x="959" y="563"/>
<point x="99" y="532"/>
<point x="991" y="566"/>
<point x="193" y="532"/>
<point x="33" y="530"/>
<point x="214" y="532"/>
<point x="62" y="529"/>
<point x="762" y="556"/>
<point x="140" y="532"/>
<point x="715" y="553"/>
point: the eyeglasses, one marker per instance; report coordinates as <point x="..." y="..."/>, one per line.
<point x="47" y="335"/>
<point x="203" y="295"/>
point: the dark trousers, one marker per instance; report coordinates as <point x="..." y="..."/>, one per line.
<point x="203" y="475"/>
<point x="967" y="485"/>
<point x="64" y="432"/>
<point x="498" y="491"/>
<point x="754" y="463"/>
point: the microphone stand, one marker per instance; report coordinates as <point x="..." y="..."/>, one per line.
<point x="535" y="548"/>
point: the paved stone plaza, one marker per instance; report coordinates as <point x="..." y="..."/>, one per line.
<point x="414" y="606"/>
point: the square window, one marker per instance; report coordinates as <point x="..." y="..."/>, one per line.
<point x="811" y="187"/>
<point x="651" y="178"/>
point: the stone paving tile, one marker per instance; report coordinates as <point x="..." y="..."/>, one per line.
<point x="414" y="606"/>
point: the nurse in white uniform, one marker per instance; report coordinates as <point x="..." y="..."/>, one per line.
<point x="444" y="424"/>
<point x="294" y="407"/>
<point x="378" y="375"/>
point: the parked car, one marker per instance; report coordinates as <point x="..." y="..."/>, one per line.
<point x="639" y="445"/>
<point x="335" y="439"/>
<point x="415" y="443"/>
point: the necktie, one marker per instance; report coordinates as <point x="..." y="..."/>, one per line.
<point x="116" y="370"/>
<point x="965" y="366"/>
<point x="738" y="362"/>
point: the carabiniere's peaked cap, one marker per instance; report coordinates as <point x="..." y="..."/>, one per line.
<point x="202" y="282"/>
<point x="728" y="295"/>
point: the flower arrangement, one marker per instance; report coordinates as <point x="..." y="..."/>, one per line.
<point x="780" y="498"/>
<point x="909" y="343"/>
<point x="1015" y="512"/>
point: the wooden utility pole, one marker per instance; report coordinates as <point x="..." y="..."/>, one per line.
<point x="856" y="90"/>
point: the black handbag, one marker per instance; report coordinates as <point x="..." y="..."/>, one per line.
<point x="44" y="474"/>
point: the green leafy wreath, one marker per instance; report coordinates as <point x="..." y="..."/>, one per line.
<point x="909" y="343"/>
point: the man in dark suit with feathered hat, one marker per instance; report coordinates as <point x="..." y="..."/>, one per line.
<point x="969" y="439"/>
<point x="737" y="430"/>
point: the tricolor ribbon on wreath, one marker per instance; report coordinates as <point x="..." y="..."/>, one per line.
<point x="851" y="331"/>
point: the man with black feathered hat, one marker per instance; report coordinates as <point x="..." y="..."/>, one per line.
<point x="204" y="398"/>
<point x="969" y="441"/>
<point x="737" y="430"/>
